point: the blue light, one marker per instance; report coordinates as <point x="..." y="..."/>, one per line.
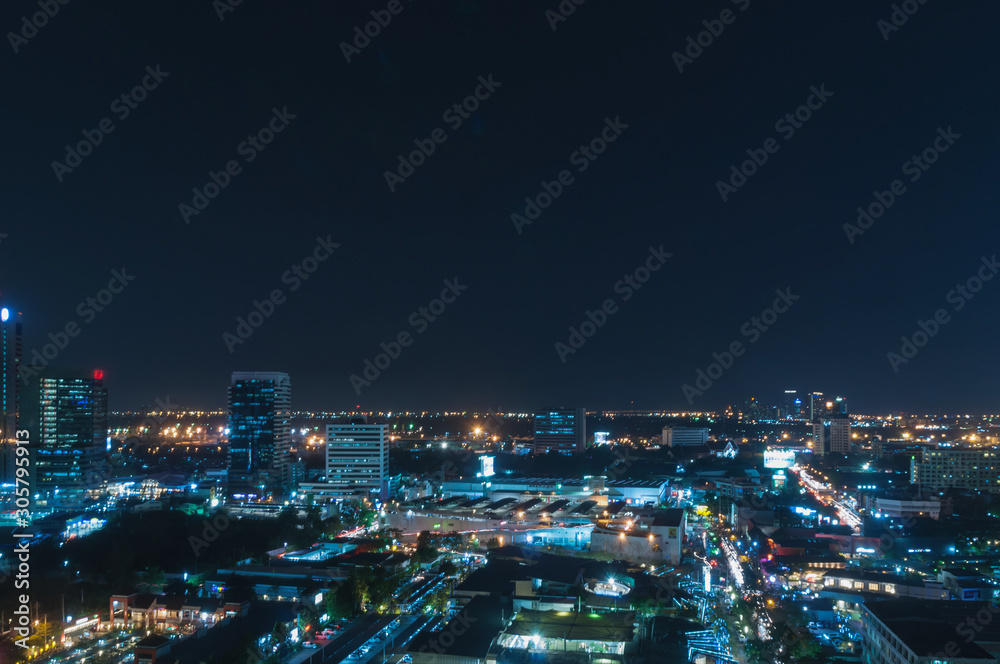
<point x="4" y="315"/>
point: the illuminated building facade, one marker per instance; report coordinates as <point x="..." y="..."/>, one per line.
<point x="561" y="430"/>
<point x="10" y="363"/>
<point x="357" y="459"/>
<point x="66" y="414"/>
<point x="260" y="405"/>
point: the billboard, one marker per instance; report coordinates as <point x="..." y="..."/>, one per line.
<point x="486" y="466"/>
<point x="779" y="458"/>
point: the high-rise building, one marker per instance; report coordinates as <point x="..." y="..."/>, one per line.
<point x="837" y="406"/>
<point x="792" y="406"/>
<point x="65" y="413"/>
<point x="975" y="470"/>
<point x="840" y="435"/>
<point x="260" y="405"/>
<point x="357" y="460"/>
<point x="561" y="430"/>
<point x="820" y="436"/>
<point x="817" y="406"/>
<point x="681" y="436"/>
<point x="10" y="364"/>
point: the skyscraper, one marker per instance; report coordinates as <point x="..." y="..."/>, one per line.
<point x="10" y="363"/>
<point x="817" y="406"/>
<point x="820" y="436"/>
<point x="792" y="405"/>
<point x="561" y="430"/>
<point x="260" y="405"/>
<point x="357" y="460"/>
<point x="840" y="435"/>
<point x="65" y="412"/>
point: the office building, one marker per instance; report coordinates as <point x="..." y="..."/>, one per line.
<point x="682" y="436"/>
<point x="840" y="435"/>
<point x="357" y="460"/>
<point x="817" y="406"/>
<point x="65" y="412"/>
<point x="10" y="364"/>
<point x="260" y="406"/>
<point x="792" y="407"/>
<point x="820" y="436"/>
<point x="973" y="470"/>
<point x="561" y="430"/>
<point x="837" y="406"/>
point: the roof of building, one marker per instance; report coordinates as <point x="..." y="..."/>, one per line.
<point x="670" y="518"/>
<point x="614" y="627"/>
<point x="231" y="637"/>
<point x="929" y="628"/>
<point x="472" y="631"/>
<point x="496" y="577"/>
<point x="877" y="577"/>
<point x="153" y="641"/>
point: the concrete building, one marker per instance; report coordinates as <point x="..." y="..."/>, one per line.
<point x="917" y="632"/>
<point x="357" y="464"/>
<point x="632" y="492"/>
<point x="658" y="537"/>
<point x="681" y="436"/>
<point x="960" y="468"/>
<point x="562" y="430"/>
<point x="904" y="507"/>
<point x="840" y="435"/>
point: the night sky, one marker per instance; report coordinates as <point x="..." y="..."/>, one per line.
<point x="551" y="91"/>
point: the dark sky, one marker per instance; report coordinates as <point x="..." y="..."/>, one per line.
<point x="495" y="346"/>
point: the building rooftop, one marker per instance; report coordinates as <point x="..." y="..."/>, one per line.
<point x="614" y="627"/>
<point x="471" y="632"/>
<point x="929" y="628"/>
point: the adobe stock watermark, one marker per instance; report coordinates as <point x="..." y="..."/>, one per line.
<point x="562" y="12"/>
<point x="968" y="629"/>
<point x="786" y="125"/>
<point x="293" y="276"/>
<point x="958" y="297"/>
<point x="122" y="107"/>
<point x="901" y="13"/>
<point x="249" y="149"/>
<point x="211" y="527"/>
<point x="381" y="18"/>
<point x="752" y="330"/>
<point x="582" y="157"/>
<point x="713" y="29"/>
<point x="420" y="320"/>
<point x="626" y="287"/>
<point x="915" y="166"/>
<point x="223" y="7"/>
<point x="86" y="310"/>
<point x="458" y="626"/>
<point x="31" y="26"/>
<point x="454" y="115"/>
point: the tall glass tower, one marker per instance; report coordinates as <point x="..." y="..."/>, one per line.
<point x="65" y="412"/>
<point x="10" y="364"/>
<point x="260" y="405"/>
